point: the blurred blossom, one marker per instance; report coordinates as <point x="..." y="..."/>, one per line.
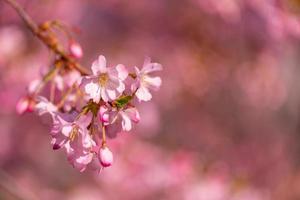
<point x="12" y="43"/>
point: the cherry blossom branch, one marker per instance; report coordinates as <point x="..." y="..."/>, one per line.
<point x="42" y="32"/>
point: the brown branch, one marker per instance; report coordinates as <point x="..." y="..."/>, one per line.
<point x="47" y="37"/>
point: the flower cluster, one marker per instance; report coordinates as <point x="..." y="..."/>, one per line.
<point x="87" y="108"/>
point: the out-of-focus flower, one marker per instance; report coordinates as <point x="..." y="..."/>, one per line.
<point x="44" y="106"/>
<point x="75" y="49"/>
<point x="67" y="80"/>
<point x="106" y="83"/>
<point x="105" y="157"/>
<point x="144" y="82"/>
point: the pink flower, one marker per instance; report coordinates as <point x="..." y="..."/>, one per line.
<point x="129" y="115"/>
<point x="44" y="106"/>
<point x="105" y="157"/>
<point x="75" y="49"/>
<point x="74" y="136"/>
<point x="110" y="116"/>
<point x="105" y="83"/>
<point x="144" y="82"/>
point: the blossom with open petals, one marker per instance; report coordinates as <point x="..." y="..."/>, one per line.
<point x="105" y="83"/>
<point x="144" y="82"/>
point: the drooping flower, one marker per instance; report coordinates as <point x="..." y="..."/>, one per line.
<point x="105" y="157"/>
<point x="74" y="136"/>
<point x="110" y="116"/>
<point x="106" y="83"/>
<point x="44" y="106"/>
<point x="129" y="115"/>
<point x="144" y="82"/>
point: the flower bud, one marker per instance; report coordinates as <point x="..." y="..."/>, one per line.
<point x="105" y="157"/>
<point x="75" y="49"/>
<point x="25" y="104"/>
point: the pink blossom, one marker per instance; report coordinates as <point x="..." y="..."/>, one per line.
<point x="110" y="116"/>
<point x="105" y="83"/>
<point x="74" y="136"/>
<point x="129" y="115"/>
<point x="105" y="157"/>
<point x="44" y="106"/>
<point x="144" y="82"/>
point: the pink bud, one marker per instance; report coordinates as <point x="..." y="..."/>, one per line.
<point x="25" y="104"/>
<point x="104" y="117"/>
<point x="75" y="49"/>
<point x="105" y="157"/>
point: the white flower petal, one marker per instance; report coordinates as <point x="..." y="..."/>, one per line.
<point x="126" y="122"/>
<point x="122" y="72"/>
<point x="99" y="66"/>
<point x="152" y="82"/>
<point x="133" y="114"/>
<point x="111" y="94"/>
<point x="104" y="95"/>
<point x="143" y="94"/>
<point x="93" y="91"/>
<point x="66" y="130"/>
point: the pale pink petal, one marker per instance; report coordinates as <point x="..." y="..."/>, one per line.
<point x="111" y="94"/>
<point x="121" y="87"/>
<point x="84" y="120"/>
<point x="66" y="130"/>
<point x="133" y="114"/>
<point x="104" y="95"/>
<point x="122" y="72"/>
<point x="149" y="67"/>
<point x="92" y="89"/>
<point x="152" y="82"/>
<point x="99" y="66"/>
<point x="126" y="122"/>
<point x="143" y="94"/>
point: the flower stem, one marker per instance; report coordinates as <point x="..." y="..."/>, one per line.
<point x="103" y="136"/>
<point x="48" y="39"/>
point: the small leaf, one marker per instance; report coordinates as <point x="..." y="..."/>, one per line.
<point x="122" y="101"/>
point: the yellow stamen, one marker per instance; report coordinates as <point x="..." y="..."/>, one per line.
<point x="103" y="79"/>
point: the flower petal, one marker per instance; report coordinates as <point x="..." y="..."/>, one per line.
<point x="149" y="67"/>
<point x="133" y="114"/>
<point x="122" y="72"/>
<point x="143" y="94"/>
<point x="152" y="82"/>
<point x="126" y="122"/>
<point x="99" y="66"/>
<point x="93" y="91"/>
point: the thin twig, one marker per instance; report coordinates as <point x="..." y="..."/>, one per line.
<point x="48" y="39"/>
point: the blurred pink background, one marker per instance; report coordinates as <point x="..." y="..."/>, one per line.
<point x="224" y="126"/>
